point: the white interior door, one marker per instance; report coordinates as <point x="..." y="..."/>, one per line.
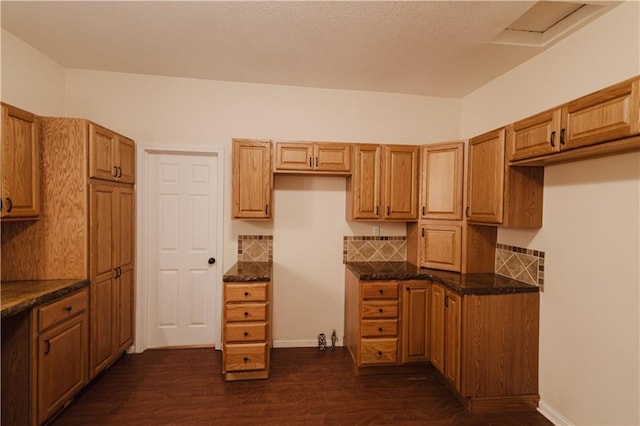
<point x="182" y="241"/>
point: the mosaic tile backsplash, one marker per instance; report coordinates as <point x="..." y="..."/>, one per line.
<point x="374" y="249"/>
<point x="520" y="263"/>
<point x="255" y="248"/>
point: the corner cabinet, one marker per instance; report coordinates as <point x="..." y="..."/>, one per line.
<point x="20" y="158"/>
<point x="252" y="179"/>
<point x="500" y="194"/>
<point x="384" y="183"/>
<point x="441" y="181"/>
<point x="246" y="335"/>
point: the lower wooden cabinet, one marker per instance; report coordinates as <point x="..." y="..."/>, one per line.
<point x="246" y="345"/>
<point x="60" y="339"/>
<point x="415" y="321"/>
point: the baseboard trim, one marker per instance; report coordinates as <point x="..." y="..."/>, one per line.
<point x="552" y="415"/>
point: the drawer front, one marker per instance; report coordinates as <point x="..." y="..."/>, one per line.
<point x="246" y="312"/>
<point x="62" y="309"/>
<point x="255" y="292"/>
<point x="375" y="328"/>
<point x="245" y="357"/>
<point x="245" y="332"/>
<point x="380" y="290"/>
<point x="378" y="351"/>
<point x="379" y="309"/>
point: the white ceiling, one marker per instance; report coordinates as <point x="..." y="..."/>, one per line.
<point x="434" y="48"/>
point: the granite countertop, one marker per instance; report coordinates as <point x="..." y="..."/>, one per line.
<point x="18" y="296"/>
<point x="249" y="271"/>
<point x="460" y="283"/>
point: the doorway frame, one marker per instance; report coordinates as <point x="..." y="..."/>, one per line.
<point x="143" y="153"/>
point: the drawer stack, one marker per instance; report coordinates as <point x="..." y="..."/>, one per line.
<point x="378" y="323"/>
<point x="247" y="330"/>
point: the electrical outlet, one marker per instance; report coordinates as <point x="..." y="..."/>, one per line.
<point x="375" y="230"/>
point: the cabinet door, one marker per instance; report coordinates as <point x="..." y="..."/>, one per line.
<point x="332" y="157"/>
<point x="486" y="178"/>
<point x="365" y="182"/>
<point x="436" y="326"/>
<point x="126" y="160"/>
<point x="20" y="164"/>
<point x="125" y="246"/>
<point x="609" y="114"/>
<point x="415" y="321"/>
<point x="452" y="338"/>
<point x="294" y="156"/>
<point x="534" y="136"/>
<point x="441" y="247"/>
<point x="62" y="365"/>
<point x="442" y="170"/>
<point x="103" y="216"/>
<point x="251" y="179"/>
<point x="400" y="171"/>
<point x="102" y="153"/>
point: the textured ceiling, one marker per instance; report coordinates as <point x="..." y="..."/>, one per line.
<point x="434" y="48"/>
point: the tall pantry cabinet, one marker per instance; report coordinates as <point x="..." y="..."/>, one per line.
<point x="95" y="226"/>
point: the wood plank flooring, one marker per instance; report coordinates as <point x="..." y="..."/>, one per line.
<point x="307" y="387"/>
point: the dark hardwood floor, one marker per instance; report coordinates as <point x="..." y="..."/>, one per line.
<point x="307" y="387"/>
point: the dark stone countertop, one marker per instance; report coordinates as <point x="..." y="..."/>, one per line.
<point x="18" y="296"/>
<point x="248" y="271"/>
<point x="480" y="284"/>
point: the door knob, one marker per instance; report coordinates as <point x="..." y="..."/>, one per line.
<point x="212" y="261"/>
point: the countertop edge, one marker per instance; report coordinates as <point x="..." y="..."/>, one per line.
<point x="43" y="298"/>
<point x="253" y="272"/>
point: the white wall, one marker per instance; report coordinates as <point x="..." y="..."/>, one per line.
<point x="30" y="80"/>
<point x="309" y="214"/>
<point x="590" y="310"/>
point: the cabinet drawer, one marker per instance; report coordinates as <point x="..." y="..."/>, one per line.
<point x="245" y="357"/>
<point x="58" y="311"/>
<point x="380" y="290"/>
<point x="246" y="312"/>
<point x="245" y="332"/>
<point x="379" y="309"/>
<point x="378" y="351"/>
<point x="374" y="328"/>
<point x="255" y="292"/>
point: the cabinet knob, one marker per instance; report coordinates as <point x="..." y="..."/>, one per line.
<point x="380" y="329"/>
<point x="68" y="308"/>
<point x="381" y="310"/>
<point x="246" y="334"/>
<point x="246" y="314"/>
<point x="245" y="359"/>
<point x="9" y="205"/>
<point x="246" y="294"/>
<point x="381" y="291"/>
<point x="553" y="139"/>
<point x="388" y="210"/>
<point x="115" y="171"/>
<point x="211" y="260"/>
<point x="47" y="349"/>
<point x="562" y="142"/>
<point x="423" y="209"/>
<point x="467" y="211"/>
<point x="380" y="353"/>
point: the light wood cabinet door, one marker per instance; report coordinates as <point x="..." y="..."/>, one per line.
<point x="363" y="187"/>
<point x="608" y="114"/>
<point x="453" y="338"/>
<point x="441" y="246"/>
<point x="415" y="321"/>
<point x="535" y="136"/>
<point x="485" y="194"/>
<point x="400" y="177"/>
<point x="102" y="152"/>
<point x="332" y="157"/>
<point x="124" y="257"/>
<point x="20" y="157"/>
<point x="294" y="156"/>
<point x="442" y="171"/>
<point x="436" y="326"/>
<point x="252" y="179"/>
<point x="61" y="365"/>
<point x="126" y="160"/>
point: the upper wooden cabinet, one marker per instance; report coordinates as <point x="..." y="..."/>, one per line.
<point x="384" y="183"/>
<point x="20" y="156"/>
<point x="252" y="179"/>
<point x="500" y="194"/>
<point x="608" y="115"/>
<point x="441" y="246"/>
<point x="111" y="156"/>
<point x="400" y="182"/>
<point x="441" y="183"/>
<point x="316" y="157"/>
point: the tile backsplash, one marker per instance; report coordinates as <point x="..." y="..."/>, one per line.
<point x="374" y="249"/>
<point x="255" y="248"/>
<point x="520" y="263"/>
